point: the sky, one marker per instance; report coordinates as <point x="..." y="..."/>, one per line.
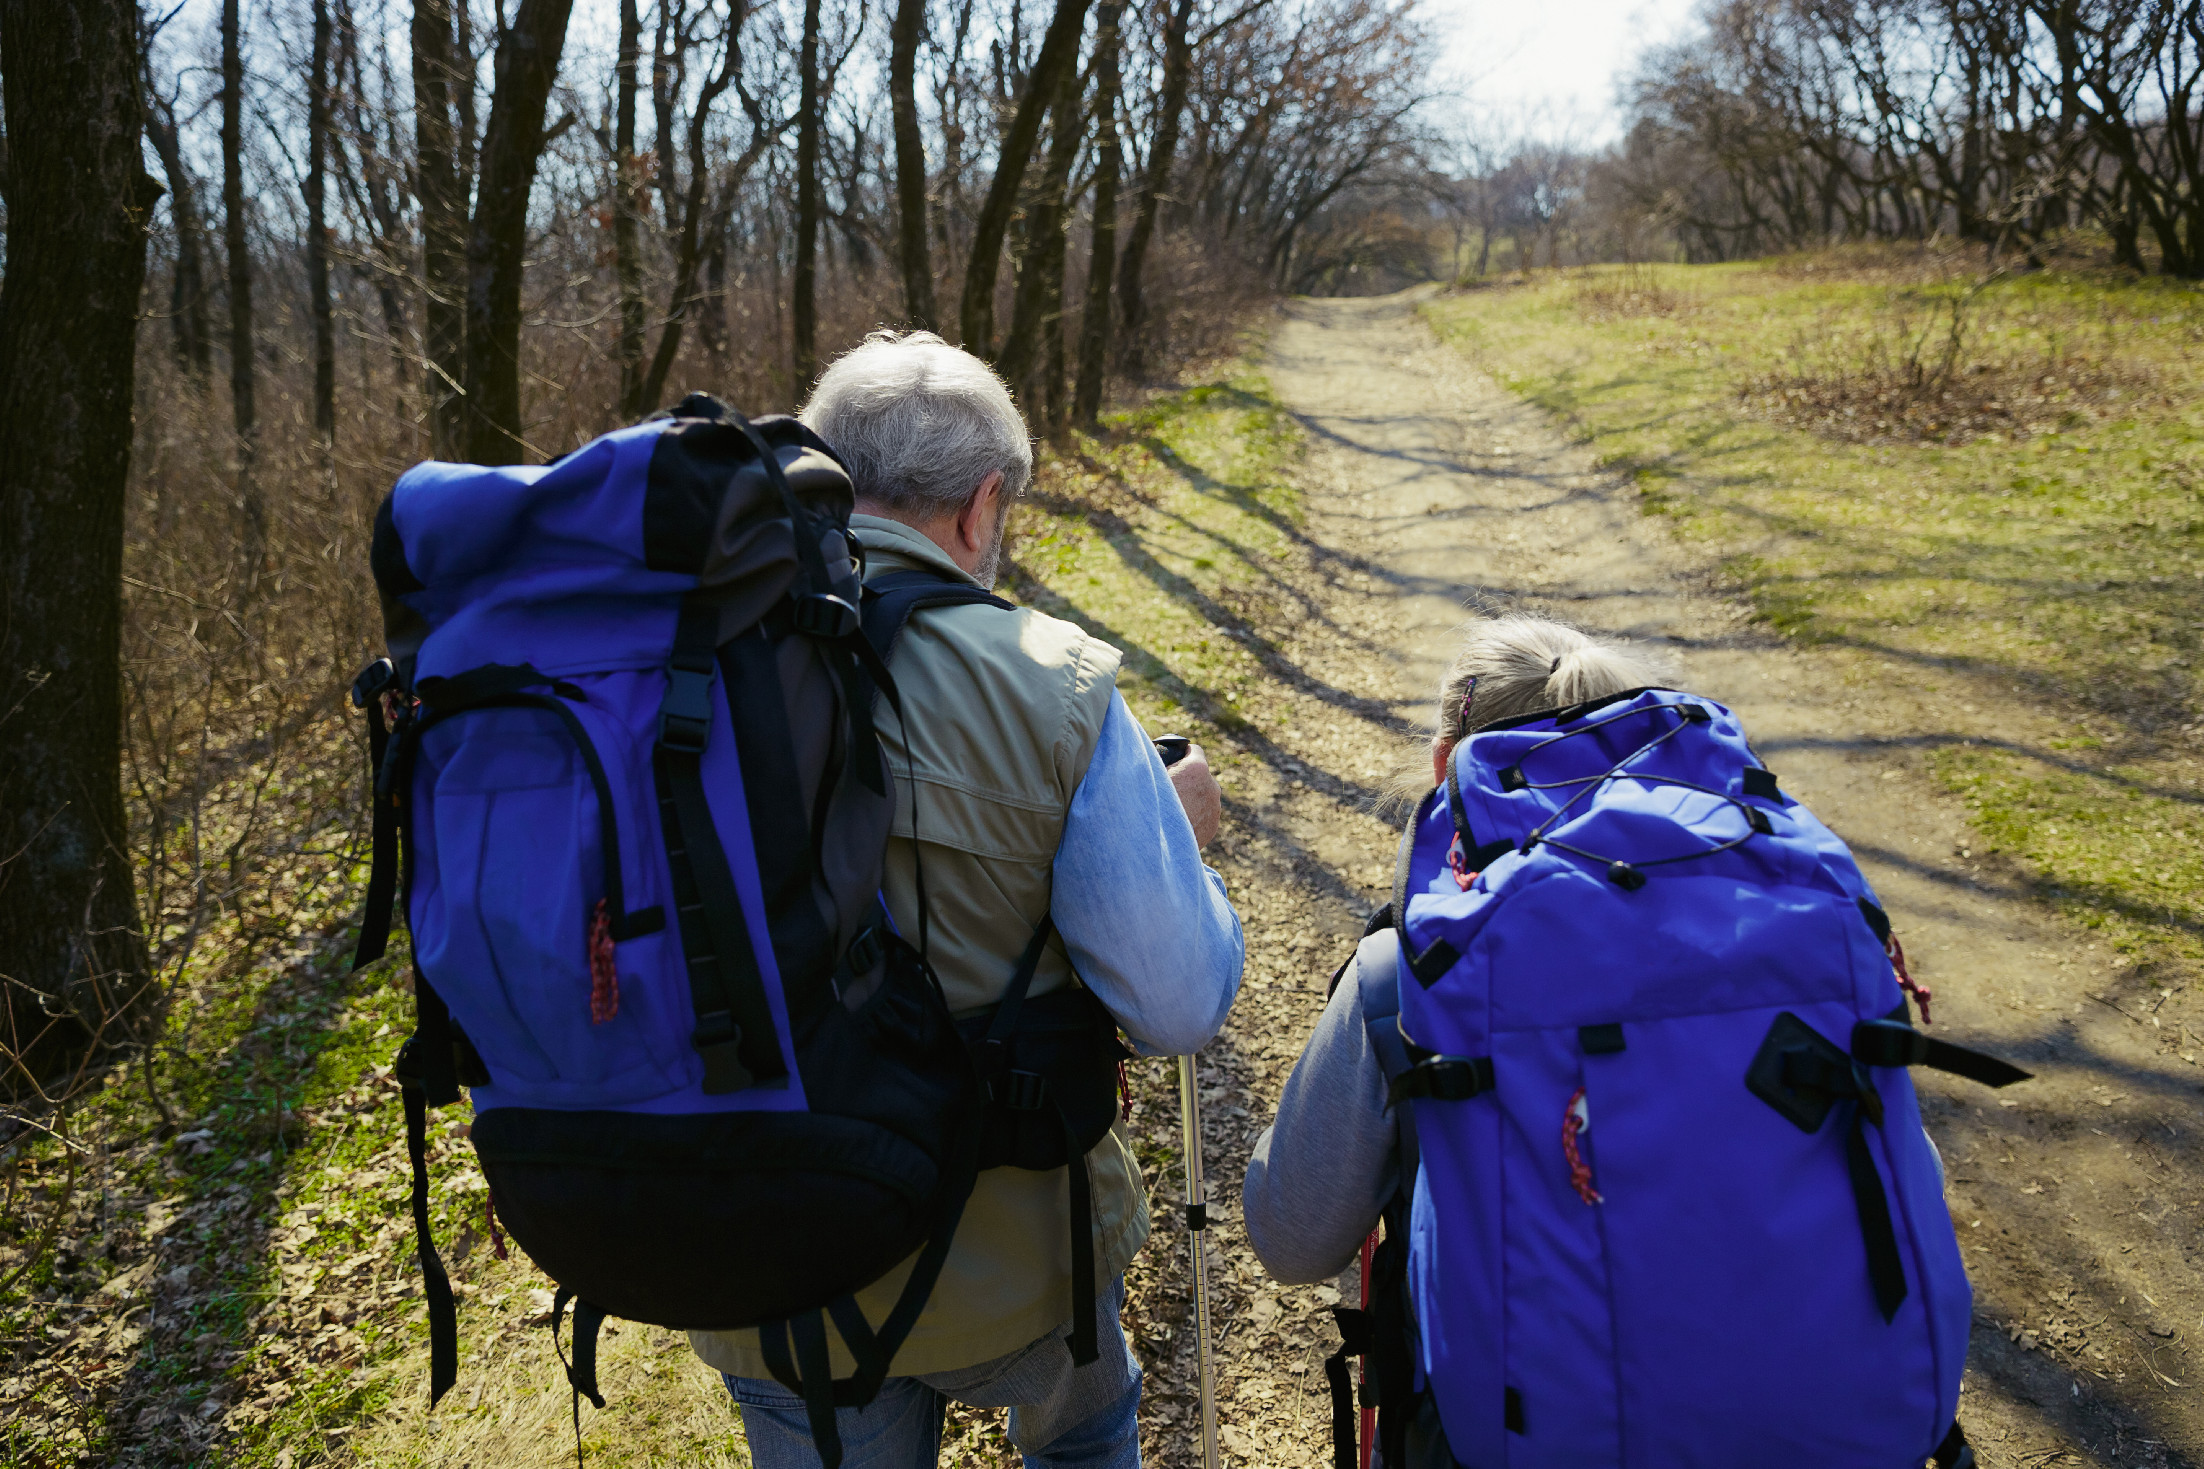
<point x="1551" y="65"/>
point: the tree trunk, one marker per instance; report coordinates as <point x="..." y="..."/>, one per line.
<point x="1094" y="313"/>
<point x="1059" y="53"/>
<point x="685" y="205"/>
<point x="187" y="293"/>
<point x="910" y="164"/>
<point x="443" y="226"/>
<point x="804" y="307"/>
<point x="78" y="199"/>
<point x="711" y="320"/>
<point x="627" y="194"/>
<point x="1033" y="348"/>
<point x="240" y="263"/>
<point x="512" y="145"/>
<point x="317" y="229"/>
<point x="1178" y="72"/>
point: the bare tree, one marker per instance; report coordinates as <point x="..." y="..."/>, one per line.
<point x="1059" y="54"/>
<point x="317" y="228"/>
<point x="512" y="145"/>
<point x="910" y="164"/>
<point x="187" y="294"/>
<point x="1032" y="356"/>
<point x="240" y="258"/>
<point x="804" y="309"/>
<point x="628" y="194"/>
<point x="78" y="200"/>
<point x="687" y="203"/>
<point x="1178" y="72"/>
<point x="1094" y="314"/>
<point x="442" y="192"/>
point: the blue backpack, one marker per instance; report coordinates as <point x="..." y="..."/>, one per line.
<point x="1671" y="1202"/>
<point x="624" y="744"/>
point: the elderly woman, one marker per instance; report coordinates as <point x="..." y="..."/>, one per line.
<point x="1330" y="1165"/>
<point x="1759" y="1220"/>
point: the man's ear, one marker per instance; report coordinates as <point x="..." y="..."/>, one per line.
<point x="975" y="527"/>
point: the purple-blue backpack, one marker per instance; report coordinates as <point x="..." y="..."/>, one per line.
<point x="1668" y="1201"/>
<point x="630" y="802"/>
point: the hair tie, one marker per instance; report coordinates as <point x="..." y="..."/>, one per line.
<point x="1556" y="668"/>
<point x="1468" y="693"/>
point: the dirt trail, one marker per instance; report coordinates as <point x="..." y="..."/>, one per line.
<point x="1430" y="489"/>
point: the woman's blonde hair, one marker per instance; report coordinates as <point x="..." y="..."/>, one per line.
<point x="1508" y="666"/>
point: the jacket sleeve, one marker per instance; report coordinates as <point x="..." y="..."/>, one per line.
<point x="1147" y="926"/>
<point x="1326" y="1167"/>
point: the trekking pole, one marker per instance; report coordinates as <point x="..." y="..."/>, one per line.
<point x="1197" y="1225"/>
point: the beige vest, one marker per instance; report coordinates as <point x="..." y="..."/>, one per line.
<point x="1005" y="710"/>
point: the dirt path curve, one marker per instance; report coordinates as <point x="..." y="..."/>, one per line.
<point x="1429" y="489"/>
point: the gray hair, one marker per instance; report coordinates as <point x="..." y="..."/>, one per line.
<point x="1509" y="666"/>
<point x="919" y="423"/>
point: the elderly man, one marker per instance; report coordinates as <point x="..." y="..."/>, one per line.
<point x="1041" y="800"/>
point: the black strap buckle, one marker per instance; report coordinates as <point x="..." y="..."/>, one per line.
<point x="372" y="682"/>
<point x="406" y="1066"/>
<point x="1841" y="1078"/>
<point x="685" y="716"/>
<point x="1023" y="1091"/>
<point x="825" y="616"/>
<point x="865" y="951"/>
<point x="718" y="1042"/>
<point x="1442" y="1079"/>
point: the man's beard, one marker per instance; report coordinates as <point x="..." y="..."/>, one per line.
<point x="991" y="564"/>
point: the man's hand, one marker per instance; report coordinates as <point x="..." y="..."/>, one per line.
<point x="1198" y="793"/>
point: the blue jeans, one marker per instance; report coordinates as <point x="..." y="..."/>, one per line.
<point x="1061" y="1416"/>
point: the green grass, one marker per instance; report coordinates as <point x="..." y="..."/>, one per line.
<point x="1155" y="537"/>
<point x="2044" y="553"/>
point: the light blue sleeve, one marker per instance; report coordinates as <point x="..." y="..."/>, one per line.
<point x="1147" y="924"/>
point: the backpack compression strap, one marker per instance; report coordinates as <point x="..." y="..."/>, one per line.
<point x="809" y="1371"/>
<point x="734" y="1025"/>
<point x="1803" y="1075"/>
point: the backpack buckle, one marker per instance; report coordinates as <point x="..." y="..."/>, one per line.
<point x="685" y="716"/>
<point x="864" y="951"/>
<point x="718" y="1042"/>
<point x="825" y="616"/>
<point x="406" y="1066"/>
<point x="373" y="680"/>
<point x="1023" y="1091"/>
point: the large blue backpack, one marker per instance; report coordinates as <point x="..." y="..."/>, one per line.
<point x="624" y="743"/>
<point x="1673" y="1206"/>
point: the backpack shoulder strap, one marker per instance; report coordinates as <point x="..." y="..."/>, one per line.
<point x="891" y="599"/>
<point x="1377" y="976"/>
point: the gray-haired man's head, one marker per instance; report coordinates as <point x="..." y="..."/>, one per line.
<point x="921" y="426"/>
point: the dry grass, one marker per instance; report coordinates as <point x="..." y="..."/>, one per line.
<point x="1627" y="292"/>
<point x="1946" y="364"/>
